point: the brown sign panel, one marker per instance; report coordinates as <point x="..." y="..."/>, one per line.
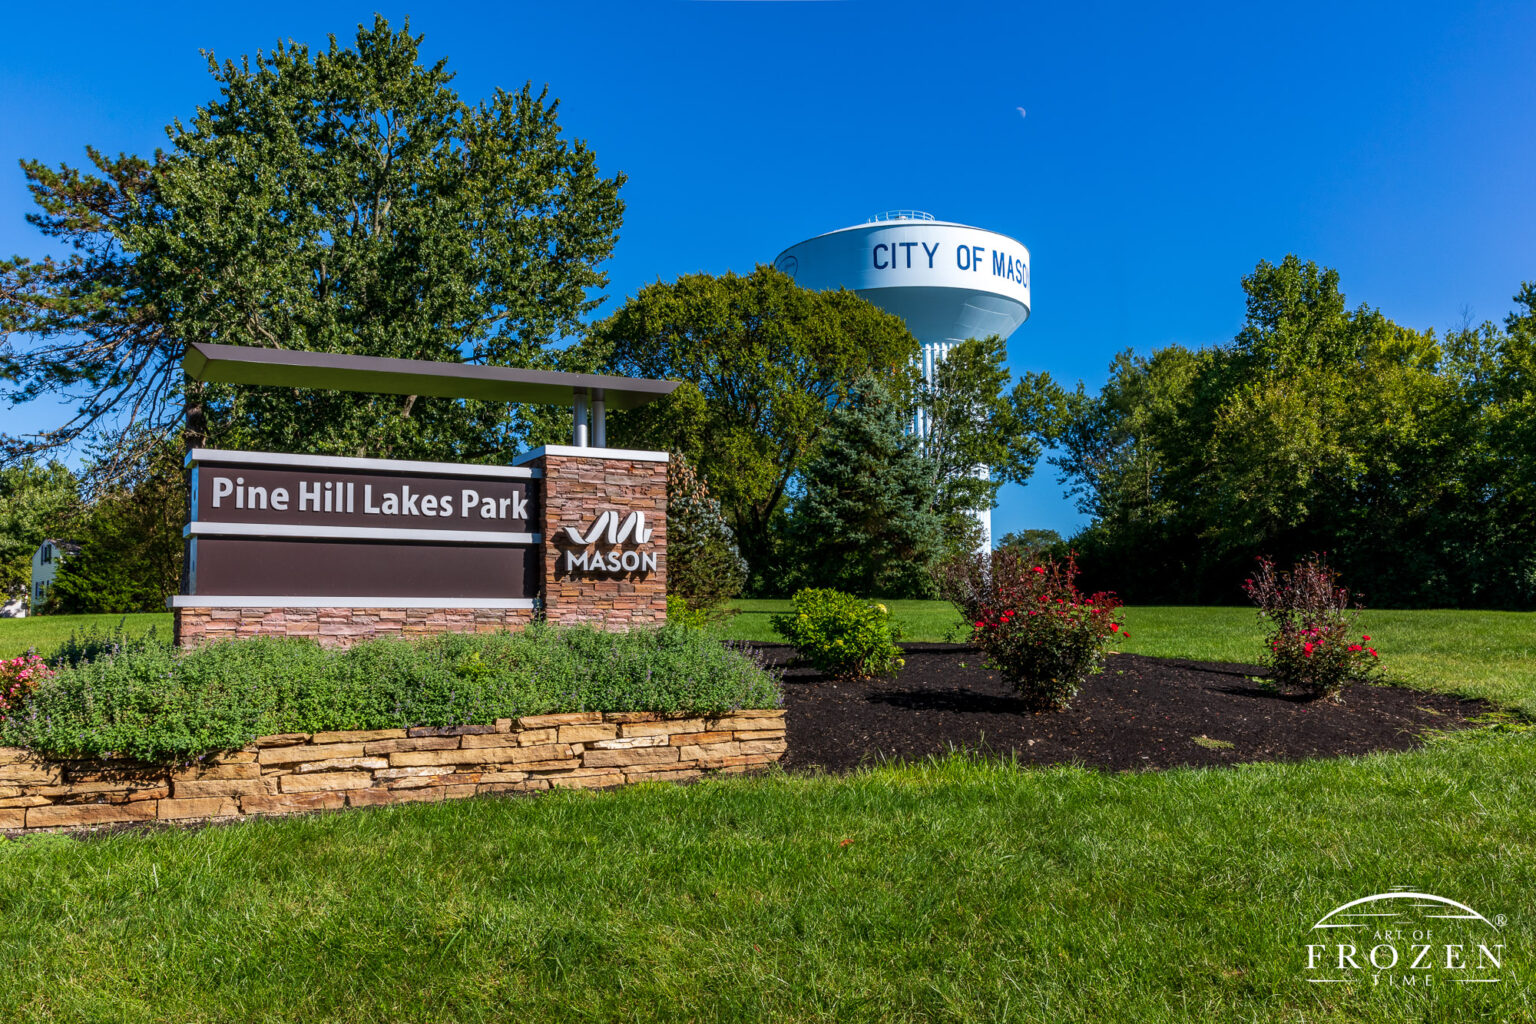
<point x="350" y="497"/>
<point x="251" y="566"/>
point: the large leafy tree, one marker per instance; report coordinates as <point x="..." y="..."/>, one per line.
<point x="766" y="362"/>
<point x="345" y="200"/>
<point x="975" y="420"/>
<point x="1318" y="428"/>
<point x="37" y="501"/>
<point x="865" y="521"/>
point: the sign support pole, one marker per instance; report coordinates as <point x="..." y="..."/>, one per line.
<point x="579" y="420"/>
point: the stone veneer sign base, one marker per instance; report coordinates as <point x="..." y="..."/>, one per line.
<point x="300" y="772"/>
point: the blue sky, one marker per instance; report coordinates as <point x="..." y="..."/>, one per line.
<point x="1163" y="153"/>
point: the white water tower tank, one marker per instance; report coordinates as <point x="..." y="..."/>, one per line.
<point x="948" y="281"/>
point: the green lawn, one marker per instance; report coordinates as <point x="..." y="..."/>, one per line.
<point x="43" y="632"/>
<point x="950" y="891"/>
<point x="945" y="891"/>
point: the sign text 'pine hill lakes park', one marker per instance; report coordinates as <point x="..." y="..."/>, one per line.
<point x="575" y="533"/>
<point x="264" y="523"/>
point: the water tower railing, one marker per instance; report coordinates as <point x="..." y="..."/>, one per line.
<point x="901" y="215"/>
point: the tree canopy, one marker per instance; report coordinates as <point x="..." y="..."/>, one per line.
<point x="1318" y="428"/>
<point x="975" y="420"/>
<point x="767" y="362"/>
<point x="345" y="200"/>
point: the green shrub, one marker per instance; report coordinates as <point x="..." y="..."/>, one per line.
<point x="680" y="613"/>
<point x="154" y="704"/>
<point x="841" y="635"/>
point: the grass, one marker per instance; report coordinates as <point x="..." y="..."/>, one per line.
<point x="953" y="890"/>
<point x="44" y="632"/>
<point x="948" y="891"/>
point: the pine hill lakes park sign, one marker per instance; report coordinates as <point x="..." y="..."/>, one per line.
<point x="346" y="548"/>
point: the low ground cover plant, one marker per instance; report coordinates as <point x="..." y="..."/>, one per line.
<point x="1035" y="627"/>
<point x="152" y="703"/>
<point x="1313" y="642"/>
<point x="841" y="635"/>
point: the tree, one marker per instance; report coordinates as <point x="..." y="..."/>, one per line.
<point x="1034" y="541"/>
<point x="130" y="556"/>
<point x="770" y="362"/>
<point x="703" y="566"/>
<point x="973" y="421"/>
<point x="37" y="501"/>
<point x="865" y="522"/>
<point x="341" y="201"/>
<point x="1319" y="428"/>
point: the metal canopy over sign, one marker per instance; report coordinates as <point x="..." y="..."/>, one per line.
<point x="270" y="367"/>
<point x="342" y="548"/>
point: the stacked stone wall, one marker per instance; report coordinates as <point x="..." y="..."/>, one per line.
<point x="341" y="627"/>
<point x="300" y="772"/>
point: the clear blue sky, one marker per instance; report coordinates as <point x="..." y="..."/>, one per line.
<point x="1163" y="153"/>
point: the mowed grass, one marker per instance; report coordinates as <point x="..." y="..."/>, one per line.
<point x="946" y="891"/>
<point x="43" y="632"/>
<point x="953" y="890"/>
<point x="1473" y="653"/>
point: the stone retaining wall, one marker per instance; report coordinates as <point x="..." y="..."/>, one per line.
<point x="340" y="627"/>
<point x="300" y="772"/>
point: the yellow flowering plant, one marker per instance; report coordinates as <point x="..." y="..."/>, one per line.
<point x="841" y="635"/>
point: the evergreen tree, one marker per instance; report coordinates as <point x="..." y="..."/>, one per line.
<point x="865" y="520"/>
<point x="703" y="566"/>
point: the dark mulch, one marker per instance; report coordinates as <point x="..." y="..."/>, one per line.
<point x="1138" y="713"/>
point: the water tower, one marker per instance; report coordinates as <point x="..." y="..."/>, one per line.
<point x="949" y="282"/>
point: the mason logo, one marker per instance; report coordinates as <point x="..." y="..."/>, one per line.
<point x="607" y="530"/>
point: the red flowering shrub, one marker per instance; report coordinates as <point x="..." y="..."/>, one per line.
<point x="1036" y="628"/>
<point x="1312" y="645"/>
<point x="18" y="676"/>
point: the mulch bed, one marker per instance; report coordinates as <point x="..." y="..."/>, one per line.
<point x="1138" y="713"/>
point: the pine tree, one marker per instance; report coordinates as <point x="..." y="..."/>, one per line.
<point x="704" y="567"/>
<point x="865" y="521"/>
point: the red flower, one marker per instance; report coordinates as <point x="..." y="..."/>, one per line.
<point x="1039" y="569"/>
<point x="1366" y="639"/>
<point x="1114" y="627"/>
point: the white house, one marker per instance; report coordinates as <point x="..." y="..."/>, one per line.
<point x="50" y="554"/>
